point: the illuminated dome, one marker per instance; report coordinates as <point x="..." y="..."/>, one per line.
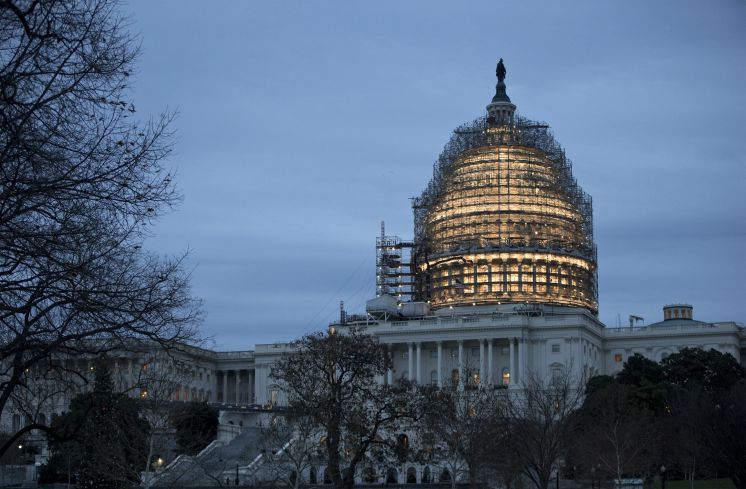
<point x="503" y="220"/>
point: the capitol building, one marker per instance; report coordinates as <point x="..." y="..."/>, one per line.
<point x="498" y="282"/>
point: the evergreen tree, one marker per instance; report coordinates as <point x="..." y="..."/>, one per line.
<point x="107" y="439"/>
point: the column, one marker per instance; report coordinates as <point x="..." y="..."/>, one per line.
<point x="522" y="359"/>
<point x="511" y="363"/>
<point x="440" y="363"/>
<point x="390" y="373"/>
<point x="481" y="362"/>
<point x="238" y="387"/>
<point x="252" y="384"/>
<point x="410" y="358"/>
<point x="419" y="362"/>
<point x="461" y="364"/>
<point x="225" y="387"/>
<point x="489" y="361"/>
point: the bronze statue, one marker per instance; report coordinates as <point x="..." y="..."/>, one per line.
<point x="501" y="71"/>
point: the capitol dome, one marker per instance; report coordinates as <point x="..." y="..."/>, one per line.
<point x="503" y="220"/>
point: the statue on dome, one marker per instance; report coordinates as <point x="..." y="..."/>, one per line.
<point x="501" y="71"/>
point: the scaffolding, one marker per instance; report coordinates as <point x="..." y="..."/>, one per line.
<point x="394" y="273"/>
<point x="504" y="220"/>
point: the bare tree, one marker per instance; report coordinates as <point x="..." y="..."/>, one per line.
<point x="81" y="182"/>
<point x="291" y="445"/>
<point x="332" y="379"/>
<point x="461" y="429"/>
<point x="539" y="421"/>
<point x="158" y="383"/>
<point x="614" y="435"/>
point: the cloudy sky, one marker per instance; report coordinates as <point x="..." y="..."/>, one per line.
<point x="302" y="125"/>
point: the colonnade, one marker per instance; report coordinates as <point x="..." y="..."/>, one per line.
<point x="236" y="386"/>
<point x="482" y="374"/>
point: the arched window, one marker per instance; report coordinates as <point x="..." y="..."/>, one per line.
<point x="312" y="476"/>
<point x="411" y="475"/>
<point x="434" y="377"/>
<point x="392" y="477"/>
<point x="506" y="376"/>
<point x="445" y="476"/>
<point x="426" y="475"/>
<point x="327" y="479"/>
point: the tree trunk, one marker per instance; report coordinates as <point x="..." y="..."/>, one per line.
<point x="148" y="461"/>
<point x="332" y="450"/>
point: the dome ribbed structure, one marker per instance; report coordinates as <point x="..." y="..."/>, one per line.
<point x="503" y="220"/>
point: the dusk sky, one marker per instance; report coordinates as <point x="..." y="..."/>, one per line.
<point x="302" y="125"/>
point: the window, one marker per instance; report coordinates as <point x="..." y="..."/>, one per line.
<point x="556" y="374"/>
<point x="506" y="376"/>
<point x="434" y="377"/>
<point x="475" y="352"/>
<point x="405" y="355"/>
<point x="555" y="348"/>
<point x="618" y="358"/>
<point x="433" y="353"/>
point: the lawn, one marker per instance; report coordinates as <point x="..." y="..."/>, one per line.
<point x="698" y="484"/>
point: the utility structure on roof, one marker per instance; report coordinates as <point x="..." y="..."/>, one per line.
<point x="394" y="275"/>
<point x="503" y="220"/>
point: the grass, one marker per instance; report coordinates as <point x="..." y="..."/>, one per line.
<point x="698" y="484"/>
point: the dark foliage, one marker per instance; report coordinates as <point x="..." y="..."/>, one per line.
<point x="107" y="443"/>
<point x="687" y="412"/>
<point x="196" y="426"/>
<point x="711" y="370"/>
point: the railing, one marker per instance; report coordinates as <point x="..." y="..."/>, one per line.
<point x="234" y="355"/>
<point x="674" y="328"/>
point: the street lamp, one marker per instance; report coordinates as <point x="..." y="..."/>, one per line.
<point x="663" y="477"/>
